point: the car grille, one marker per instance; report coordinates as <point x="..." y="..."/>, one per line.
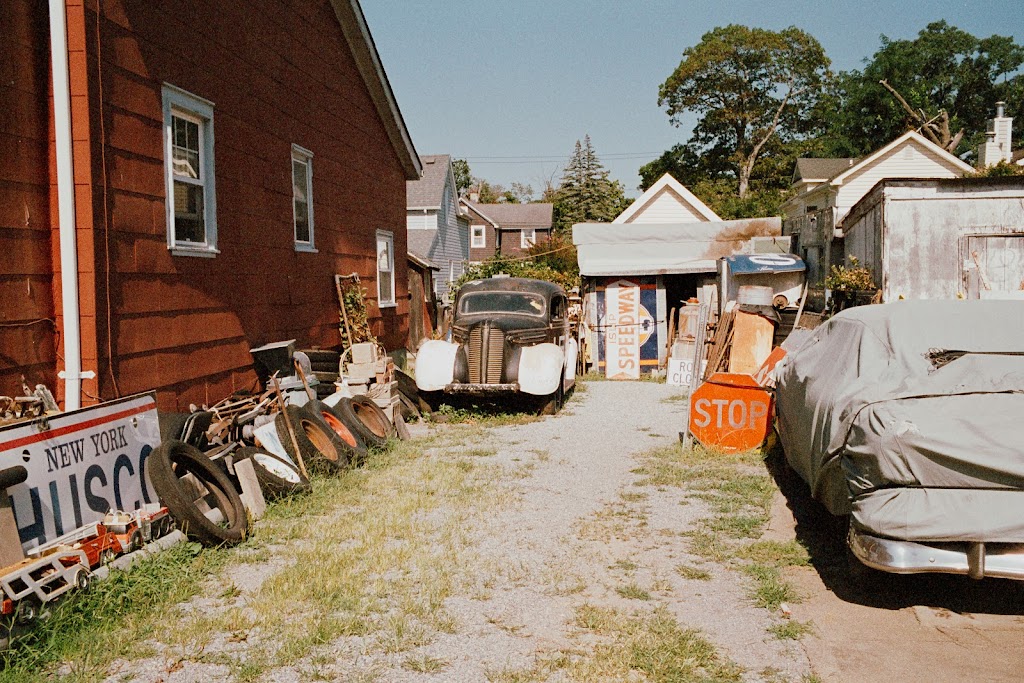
<point x="485" y="354"/>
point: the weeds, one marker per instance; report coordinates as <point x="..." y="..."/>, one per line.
<point x="769" y="590"/>
<point x="633" y="591"/>
<point x="692" y="573"/>
<point x="791" y="630"/>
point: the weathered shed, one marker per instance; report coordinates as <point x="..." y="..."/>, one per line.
<point x="941" y="238"/>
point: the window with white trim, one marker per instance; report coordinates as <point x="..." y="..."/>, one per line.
<point x="527" y="238"/>
<point x="302" y="198"/>
<point x="385" y="269"/>
<point x="479" y="239"/>
<point x="189" y="173"/>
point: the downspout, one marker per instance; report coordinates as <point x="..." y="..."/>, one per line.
<point x="72" y="373"/>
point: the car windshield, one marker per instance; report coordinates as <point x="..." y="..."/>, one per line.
<point x="501" y="302"/>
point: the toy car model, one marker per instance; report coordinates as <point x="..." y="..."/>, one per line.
<point x="34" y="581"/>
<point x="511" y="337"/>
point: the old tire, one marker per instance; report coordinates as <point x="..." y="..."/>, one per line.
<point x="277" y="477"/>
<point x="324" y="440"/>
<point x="171" y="425"/>
<point x="402" y="428"/>
<point x="371" y="422"/>
<point x="179" y="497"/>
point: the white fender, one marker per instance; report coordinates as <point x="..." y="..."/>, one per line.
<point x="572" y="350"/>
<point x="540" y="369"/>
<point x="435" y="364"/>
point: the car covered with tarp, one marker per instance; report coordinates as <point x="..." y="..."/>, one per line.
<point x="909" y="417"/>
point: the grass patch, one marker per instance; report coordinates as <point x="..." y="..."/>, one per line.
<point x="633" y="591"/>
<point x="373" y="552"/>
<point x="692" y="573"/>
<point x="769" y="590"/>
<point x="738" y="525"/>
<point x="660" y="649"/>
<point x="677" y="398"/>
<point x="87" y="630"/>
<point x="624" y="565"/>
<point x="486" y="415"/>
<point x="424" y="664"/>
<point x="598" y="619"/>
<point x="775" y="553"/>
<point x="791" y="630"/>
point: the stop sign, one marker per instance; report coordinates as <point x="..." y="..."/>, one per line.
<point x="730" y="411"/>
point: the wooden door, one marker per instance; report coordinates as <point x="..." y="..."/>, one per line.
<point x="994" y="267"/>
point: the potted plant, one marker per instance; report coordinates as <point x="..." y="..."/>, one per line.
<point x="850" y="286"/>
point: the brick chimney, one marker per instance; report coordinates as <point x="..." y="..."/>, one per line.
<point x="997" y="145"/>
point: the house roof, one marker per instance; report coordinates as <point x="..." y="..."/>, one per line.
<point x="515" y="216"/>
<point x="909" y="136"/>
<point x="471" y="207"/>
<point x="666" y="184"/>
<point x="364" y="51"/>
<point x="821" y="169"/>
<point x="421" y="262"/>
<point x="420" y="241"/>
<point x="428" y="191"/>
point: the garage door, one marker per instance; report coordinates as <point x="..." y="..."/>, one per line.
<point x="994" y="267"/>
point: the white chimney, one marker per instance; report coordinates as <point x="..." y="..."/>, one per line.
<point x="998" y="138"/>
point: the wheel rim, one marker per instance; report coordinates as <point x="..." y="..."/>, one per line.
<point x="320" y="440"/>
<point x="278" y="468"/>
<point x="339" y="428"/>
<point x="82" y="579"/>
<point x="371" y="419"/>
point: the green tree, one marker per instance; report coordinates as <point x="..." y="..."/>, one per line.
<point x="586" y="193"/>
<point x="747" y="86"/>
<point x="463" y="176"/>
<point x="948" y="81"/>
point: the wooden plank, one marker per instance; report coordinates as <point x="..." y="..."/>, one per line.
<point x="752" y="342"/>
<point x="720" y="344"/>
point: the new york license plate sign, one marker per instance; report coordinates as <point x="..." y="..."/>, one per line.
<point x="80" y="465"/>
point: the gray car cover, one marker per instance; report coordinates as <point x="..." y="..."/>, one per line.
<point x="910" y="417"/>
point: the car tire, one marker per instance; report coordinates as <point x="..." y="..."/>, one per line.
<point x="134" y="541"/>
<point x="82" y="579"/>
<point x="28" y="611"/>
<point x="178" y="497"/>
<point x="325" y="441"/>
<point x="277" y="477"/>
<point x="371" y="422"/>
<point x="552" y="403"/>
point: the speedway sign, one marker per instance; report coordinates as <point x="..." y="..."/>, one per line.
<point x="80" y="465"/>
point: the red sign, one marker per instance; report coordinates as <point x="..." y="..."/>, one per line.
<point x="731" y="412"/>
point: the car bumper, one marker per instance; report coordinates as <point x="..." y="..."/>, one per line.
<point x="977" y="560"/>
<point x="482" y="389"/>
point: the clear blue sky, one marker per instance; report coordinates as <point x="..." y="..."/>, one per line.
<point x="511" y="86"/>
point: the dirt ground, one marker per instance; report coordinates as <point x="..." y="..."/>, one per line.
<point x="581" y="547"/>
<point x="875" y="626"/>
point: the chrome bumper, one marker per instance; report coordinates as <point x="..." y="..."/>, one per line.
<point x="976" y="560"/>
<point x="481" y="389"/>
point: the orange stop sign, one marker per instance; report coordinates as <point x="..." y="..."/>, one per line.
<point x="730" y="411"/>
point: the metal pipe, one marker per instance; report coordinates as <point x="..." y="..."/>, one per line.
<point x="72" y="374"/>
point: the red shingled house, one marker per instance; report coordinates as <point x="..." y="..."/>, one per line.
<point x="196" y="173"/>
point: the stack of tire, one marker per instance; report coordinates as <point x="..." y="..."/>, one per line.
<point x="326" y="368"/>
<point x="329" y="440"/>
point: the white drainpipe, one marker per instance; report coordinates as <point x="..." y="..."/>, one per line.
<point x="72" y="373"/>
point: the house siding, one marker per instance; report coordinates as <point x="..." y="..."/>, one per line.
<point x="27" y="289"/>
<point x="278" y="74"/>
<point x="450" y="250"/>
<point x="477" y="254"/>
<point x="910" y="160"/>
<point x="666" y="207"/>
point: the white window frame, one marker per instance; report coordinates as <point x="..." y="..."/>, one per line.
<point x="482" y="242"/>
<point x="524" y="242"/>
<point x="386" y="299"/>
<point x="183" y="104"/>
<point x="303" y="155"/>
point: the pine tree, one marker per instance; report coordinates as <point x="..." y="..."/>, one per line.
<point x="586" y="194"/>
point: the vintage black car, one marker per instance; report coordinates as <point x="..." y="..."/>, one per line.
<point x="511" y="337"/>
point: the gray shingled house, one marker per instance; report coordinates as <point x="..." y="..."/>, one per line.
<point x="438" y="230"/>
